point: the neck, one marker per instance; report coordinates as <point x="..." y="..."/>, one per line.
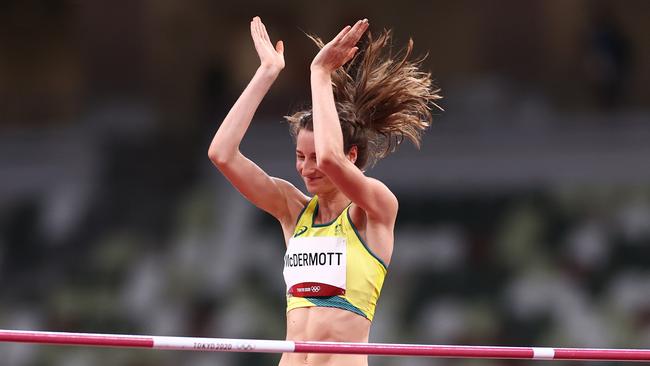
<point x="331" y="204"/>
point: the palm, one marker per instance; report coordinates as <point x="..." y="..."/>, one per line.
<point x="270" y="57"/>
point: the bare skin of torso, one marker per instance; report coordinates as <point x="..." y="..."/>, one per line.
<point x="328" y="325"/>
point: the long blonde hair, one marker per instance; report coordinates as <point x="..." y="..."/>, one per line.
<point x="381" y="98"/>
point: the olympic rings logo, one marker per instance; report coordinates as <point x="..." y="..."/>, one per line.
<point x="315" y="289"/>
<point x="245" y="347"/>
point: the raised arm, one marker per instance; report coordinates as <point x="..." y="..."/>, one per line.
<point x="272" y="195"/>
<point x="369" y="194"/>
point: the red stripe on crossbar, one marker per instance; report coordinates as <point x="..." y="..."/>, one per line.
<point x="77" y="339"/>
<point x="414" y="350"/>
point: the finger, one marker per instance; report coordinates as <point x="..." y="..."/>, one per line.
<point x="280" y="47"/>
<point x="254" y="29"/>
<point x="357" y="31"/>
<point x="265" y="33"/>
<point x="364" y="28"/>
<point x="342" y="33"/>
<point x="361" y="28"/>
<point x="254" y="34"/>
<point x="261" y="32"/>
<point x="258" y="29"/>
<point x="257" y="37"/>
<point x="365" y="25"/>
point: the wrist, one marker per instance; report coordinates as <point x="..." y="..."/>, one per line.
<point x="320" y="72"/>
<point x="269" y="71"/>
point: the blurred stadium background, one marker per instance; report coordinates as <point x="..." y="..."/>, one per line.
<point x="524" y="219"/>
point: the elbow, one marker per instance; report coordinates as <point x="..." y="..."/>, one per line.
<point x="329" y="162"/>
<point x="218" y="158"/>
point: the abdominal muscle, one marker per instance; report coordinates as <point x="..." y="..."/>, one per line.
<point x="325" y="325"/>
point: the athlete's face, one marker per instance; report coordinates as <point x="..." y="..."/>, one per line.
<point x="315" y="180"/>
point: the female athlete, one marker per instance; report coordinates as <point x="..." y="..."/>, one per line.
<point x="365" y="101"/>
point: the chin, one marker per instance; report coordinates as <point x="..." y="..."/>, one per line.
<point x="311" y="189"/>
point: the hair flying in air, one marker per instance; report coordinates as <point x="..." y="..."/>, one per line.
<point x="381" y="98"/>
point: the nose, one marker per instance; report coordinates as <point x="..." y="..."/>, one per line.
<point x="308" y="167"/>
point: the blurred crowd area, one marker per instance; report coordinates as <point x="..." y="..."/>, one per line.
<point x="560" y="267"/>
<point x="524" y="219"/>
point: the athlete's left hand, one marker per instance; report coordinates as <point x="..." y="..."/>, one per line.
<point x="341" y="49"/>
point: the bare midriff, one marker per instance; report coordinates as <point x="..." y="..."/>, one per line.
<point x="325" y="325"/>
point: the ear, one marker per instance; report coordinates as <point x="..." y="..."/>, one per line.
<point x="352" y="154"/>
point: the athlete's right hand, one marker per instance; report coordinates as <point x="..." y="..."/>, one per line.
<point x="271" y="58"/>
